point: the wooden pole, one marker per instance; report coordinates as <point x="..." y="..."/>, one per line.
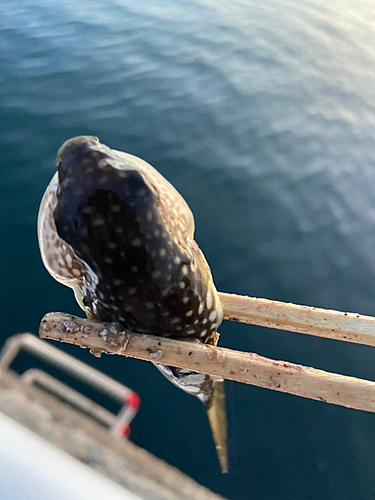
<point x="248" y="368"/>
<point x="349" y="327"/>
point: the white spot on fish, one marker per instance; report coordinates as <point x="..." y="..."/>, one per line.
<point x="189" y="313"/>
<point x="102" y="163"/>
<point x="136" y="242"/>
<point x="103" y="179"/>
<point x="98" y="221"/>
<point x="162" y="252"/>
<point x="209" y="299"/>
<point x="212" y="316"/>
<point x="132" y="290"/>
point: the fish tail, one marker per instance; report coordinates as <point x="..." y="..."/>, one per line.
<point x="217" y="417"/>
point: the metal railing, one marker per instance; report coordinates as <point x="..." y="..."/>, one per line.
<point x="119" y="425"/>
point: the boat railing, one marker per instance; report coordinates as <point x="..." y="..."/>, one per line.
<point x="119" y="425"/>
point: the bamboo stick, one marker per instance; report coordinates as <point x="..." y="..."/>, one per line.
<point x="248" y="368"/>
<point x="349" y="327"/>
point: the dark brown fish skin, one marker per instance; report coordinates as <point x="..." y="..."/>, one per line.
<point x="110" y="219"/>
<point x="143" y="269"/>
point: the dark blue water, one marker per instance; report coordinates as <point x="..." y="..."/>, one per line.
<point x="263" y="115"/>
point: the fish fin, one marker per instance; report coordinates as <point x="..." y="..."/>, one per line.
<point x="209" y="390"/>
<point x="217" y="417"/>
<point x="80" y="299"/>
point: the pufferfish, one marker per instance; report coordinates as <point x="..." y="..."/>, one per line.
<point x="113" y="229"/>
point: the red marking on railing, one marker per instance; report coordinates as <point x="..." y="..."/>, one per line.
<point x="134" y="401"/>
<point x="125" y="430"/>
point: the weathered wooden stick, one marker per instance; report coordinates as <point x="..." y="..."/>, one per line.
<point x="337" y="325"/>
<point x="248" y="368"/>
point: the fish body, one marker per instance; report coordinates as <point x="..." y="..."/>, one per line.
<point x="113" y="229"/>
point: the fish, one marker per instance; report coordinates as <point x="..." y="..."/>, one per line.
<point x="114" y="230"/>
